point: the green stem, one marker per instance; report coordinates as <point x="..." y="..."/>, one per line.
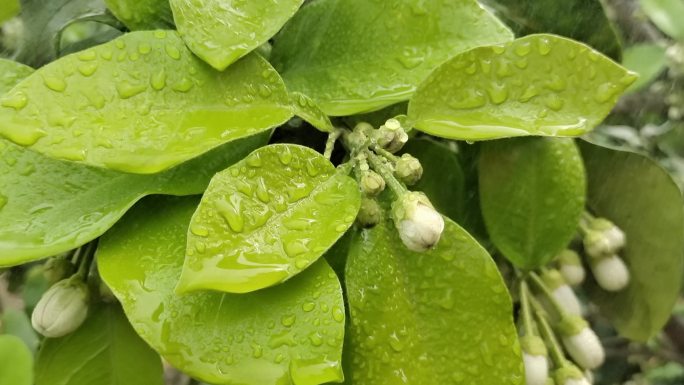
<point x="376" y="163"/>
<point x="539" y="283"/>
<point x="330" y="143"/>
<point x="381" y="151"/>
<point x="549" y="336"/>
<point x="86" y="260"/>
<point x="525" y="309"/>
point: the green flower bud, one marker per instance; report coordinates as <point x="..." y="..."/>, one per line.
<point x="358" y="139"/>
<point x="62" y="309"/>
<point x="420" y="226"/>
<point x="391" y="136"/>
<point x="372" y="183"/>
<point x="370" y="213"/>
<point x="408" y="169"/>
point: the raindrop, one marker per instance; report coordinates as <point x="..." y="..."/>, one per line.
<point x="16" y="100"/>
<point x="54" y="83"/>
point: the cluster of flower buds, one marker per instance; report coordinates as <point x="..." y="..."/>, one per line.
<point x="603" y="240"/>
<point x="62" y="309"/>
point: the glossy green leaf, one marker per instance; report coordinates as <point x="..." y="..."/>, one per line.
<point x="142" y="104"/>
<point x="648" y="60"/>
<point x="8" y="9"/>
<point x="532" y="192"/>
<point x="43" y="21"/>
<point x="11" y="73"/>
<point x="666" y="14"/>
<point x="289" y="334"/>
<point x="582" y="20"/>
<point x="16" y="362"/>
<point x="104" y="350"/>
<point x="49" y="206"/>
<point x="536" y="85"/>
<point x="307" y="109"/>
<point x="439" y="317"/>
<point x="443" y="179"/>
<point x="222" y="31"/>
<point x="355" y="56"/>
<point x="642" y="199"/>
<point x="267" y="218"/>
<point x="142" y="14"/>
<point x="17" y="323"/>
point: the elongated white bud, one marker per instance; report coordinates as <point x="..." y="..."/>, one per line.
<point x="561" y="292"/>
<point x="570" y="267"/>
<point x="570" y="375"/>
<point x="611" y="273"/>
<point x="420" y="226"/>
<point x="535" y="360"/>
<point x="62" y="309"/>
<point x="581" y="343"/>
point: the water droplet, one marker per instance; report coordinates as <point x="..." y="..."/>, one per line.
<point x="288" y="320"/>
<point x="231" y="213"/>
<point x="54" y="83"/>
<point x="544" y="46"/>
<point x="338" y="314"/>
<point x="316" y="339"/>
<point x="127" y="90"/>
<point x="285" y="156"/>
<point x="184" y="85"/>
<point x="144" y="48"/>
<point x="522" y="49"/>
<point x="254" y="160"/>
<point x="295" y="248"/>
<point x="87" y="69"/>
<point x="308" y="307"/>
<point x="554" y="102"/>
<point x="395" y="343"/>
<point x="106" y="54"/>
<point x="529" y="93"/>
<point x="120" y="44"/>
<point x="257" y="351"/>
<point x="198" y="230"/>
<point x="556" y="83"/>
<point x="301" y="263"/>
<point x="24" y="137"/>
<point x="497" y="93"/>
<point x="605" y="92"/>
<point x="158" y="80"/>
<point x="16" y="100"/>
<point x="172" y="51"/>
<point x="341" y="228"/>
<point x="522" y="64"/>
<point x="3" y="201"/>
<point x="159" y="34"/>
<point x="262" y="191"/>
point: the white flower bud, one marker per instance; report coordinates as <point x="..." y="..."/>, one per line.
<point x="561" y="292"/>
<point x="611" y="273"/>
<point x="408" y="169"/>
<point x="391" y="136"/>
<point x="62" y="309"/>
<point x="570" y="267"/>
<point x="535" y="360"/>
<point x="581" y="343"/>
<point x="597" y="245"/>
<point x="570" y="375"/>
<point x="605" y="238"/>
<point x="420" y="226"/>
<point x="372" y="183"/>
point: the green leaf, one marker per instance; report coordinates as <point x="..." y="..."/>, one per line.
<point x="537" y="85"/>
<point x="287" y="334"/>
<point x="17" y="323"/>
<point x="43" y="21"/>
<point x="16" y="362"/>
<point x="642" y="199"/>
<point x="439" y="317"/>
<point x="307" y="109"/>
<point x="11" y="73"/>
<point x="104" y="350"/>
<point x="222" y="31"/>
<point x="354" y="56"/>
<point x="142" y="14"/>
<point x="49" y="206"/>
<point x="267" y="218"/>
<point x="532" y="192"/>
<point x="582" y="20"/>
<point x="666" y="15"/>
<point x="648" y="60"/>
<point x="443" y="179"/>
<point x="141" y="104"/>
<point x="8" y="9"/>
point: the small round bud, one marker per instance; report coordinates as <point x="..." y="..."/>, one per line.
<point x="615" y="237"/>
<point x="372" y="183"/>
<point x="535" y="360"/>
<point x="420" y="226"/>
<point x="391" y="136"/>
<point x="570" y="267"/>
<point x="358" y="139"/>
<point x="611" y="273"/>
<point x="62" y="309"/>
<point x="370" y="213"/>
<point x="408" y="169"/>
<point x="581" y="342"/>
<point x="596" y="244"/>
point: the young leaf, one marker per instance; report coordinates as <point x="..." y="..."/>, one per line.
<point x="16" y="362"/>
<point x="142" y="14"/>
<point x="292" y="332"/>
<point x="12" y="73"/>
<point x="104" y="350"/>
<point x="267" y="218"/>
<point x="642" y="199"/>
<point x="355" y="56"/>
<point x="665" y="14"/>
<point x="582" y="20"/>
<point x="307" y="109"/>
<point x="439" y="317"/>
<point x="49" y="206"/>
<point x="443" y="179"/>
<point x="222" y="31"/>
<point x="142" y="103"/>
<point x="537" y="85"/>
<point x="532" y="192"/>
<point x="648" y="60"/>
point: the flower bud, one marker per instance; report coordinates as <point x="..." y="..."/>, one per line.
<point x="581" y="343"/>
<point x="372" y="183"/>
<point x="391" y="136"/>
<point x="535" y="360"/>
<point x="561" y="292"/>
<point x="420" y="226"/>
<point x="62" y="309"/>
<point x="596" y="245"/>
<point x="611" y="273"/>
<point x="370" y="213"/>
<point x="615" y="236"/>
<point x="570" y="267"/>
<point x="570" y="375"/>
<point x="408" y="169"/>
<point x="358" y="139"/>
